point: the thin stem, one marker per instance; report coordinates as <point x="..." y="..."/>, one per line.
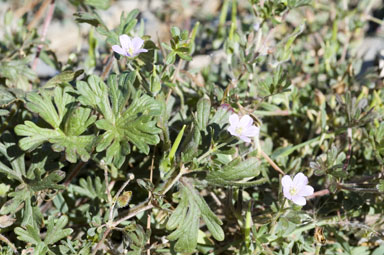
<point x="207" y="153"/>
<point x="107" y="184"/>
<point x="101" y="241"/>
<point x="270" y="161"/>
<point x="38" y="15"/>
<point x="319" y="193"/>
<point x="277" y="216"/>
<point x="138" y="209"/>
<point x="47" y="21"/>
<point x="75" y="172"/>
<point x="5" y="240"/>
<point x="349" y="138"/>
<point x="149" y="197"/>
<point x="108" y="67"/>
<point x="130" y="177"/>
<point x="170" y="184"/>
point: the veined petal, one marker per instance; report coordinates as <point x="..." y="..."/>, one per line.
<point x="246" y="121"/>
<point x="142" y="50"/>
<point x="137" y="43"/>
<point x="299" y="200"/>
<point x="300" y="180"/>
<point x="245" y="138"/>
<point x="286" y="182"/>
<point x="232" y="130"/>
<point x="251" y="131"/>
<point x="118" y="49"/>
<point x="234" y="120"/>
<point x="306" y="191"/>
<point x="286" y="193"/>
<point x="125" y="42"/>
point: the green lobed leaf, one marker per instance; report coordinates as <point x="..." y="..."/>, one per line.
<point x="68" y="120"/>
<point x="135" y="125"/>
<point x="185" y="220"/>
<point x="55" y="230"/>
<point x="29" y="235"/>
<point x="92" y="188"/>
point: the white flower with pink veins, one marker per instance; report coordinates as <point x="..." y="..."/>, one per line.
<point x="296" y="189"/>
<point x="129" y="47"/>
<point x="243" y="128"/>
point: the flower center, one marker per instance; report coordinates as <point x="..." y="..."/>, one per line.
<point x="239" y="130"/>
<point x="130" y="50"/>
<point x="293" y="191"/>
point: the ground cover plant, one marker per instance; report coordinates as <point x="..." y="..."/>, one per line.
<point x="246" y="127"/>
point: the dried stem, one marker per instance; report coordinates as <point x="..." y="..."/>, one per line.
<point x="319" y="193"/>
<point x="107" y="68"/>
<point x="27" y="7"/>
<point x="270" y="161"/>
<point x="107" y="185"/>
<point x="101" y="241"/>
<point x="138" y="209"/>
<point x="38" y="14"/>
<point x="131" y="177"/>
<point x="9" y="243"/>
<point x="349" y="138"/>
<point x="47" y="21"/>
<point x="75" y="172"/>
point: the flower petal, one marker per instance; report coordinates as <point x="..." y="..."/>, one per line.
<point x="300" y="180"/>
<point x="232" y="130"/>
<point x="246" y="121"/>
<point x="245" y="138"/>
<point x="251" y="131"/>
<point x="306" y="191"/>
<point x="299" y="200"/>
<point x="142" y="50"/>
<point x="137" y="43"/>
<point x="118" y="49"/>
<point x="286" y="182"/>
<point x="125" y="42"/>
<point x="286" y="193"/>
<point x="234" y="120"/>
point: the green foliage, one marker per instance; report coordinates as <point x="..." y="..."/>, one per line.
<point x="55" y="232"/>
<point x="235" y="172"/>
<point x="185" y="219"/>
<point x="181" y="45"/>
<point x="67" y="119"/>
<point x="117" y="155"/>
<point x="90" y="188"/>
<point x="134" y="124"/>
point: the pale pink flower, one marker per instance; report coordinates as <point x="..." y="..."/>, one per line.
<point x="297" y="189"/>
<point x="243" y="128"/>
<point x="129" y="47"/>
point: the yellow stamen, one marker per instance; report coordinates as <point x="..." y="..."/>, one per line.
<point x="239" y="130"/>
<point x="293" y="191"/>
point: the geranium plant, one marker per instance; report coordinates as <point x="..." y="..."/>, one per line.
<point x="255" y="129"/>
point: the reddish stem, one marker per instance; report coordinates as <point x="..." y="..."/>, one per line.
<point x="47" y="21"/>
